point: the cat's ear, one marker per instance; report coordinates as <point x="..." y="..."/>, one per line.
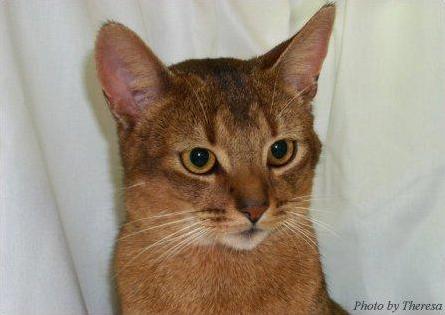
<point x="132" y="77"/>
<point x="298" y="60"/>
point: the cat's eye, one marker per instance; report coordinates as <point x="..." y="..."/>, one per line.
<point x="198" y="160"/>
<point x="281" y="152"/>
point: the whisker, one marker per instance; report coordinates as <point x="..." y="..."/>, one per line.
<point x="198" y="237"/>
<point x="282" y="228"/>
<point x="294" y="241"/>
<point x="274" y="88"/>
<point x="199" y="101"/>
<point x="317" y="222"/>
<point x="193" y="236"/>
<point x="285" y="230"/>
<point x="169" y="237"/>
<point x="311" y="195"/>
<point x="317" y="210"/>
<point x="312" y="240"/>
<point x="313" y="209"/>
<point x="298" y="231"/>
<point x="308" y="225"/>
<point x="300" y="197"/>
<point x="182" y="238"/>
<point x="187" y="233"/>
<point x="175" y="249"/>
<point x="297" y="224"/>
<point x="304" y="217"/>
<point x="133" y="186"/>
<point x="311" y="198"/>
<point x="292" y="99"/>
<point x="155" y="227"/>
<point x="160" y="216"/>
<point x="325" y="226"/>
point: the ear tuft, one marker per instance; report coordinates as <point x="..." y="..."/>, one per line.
<point x="132" y="77"/>
<point x="299" y="59"/>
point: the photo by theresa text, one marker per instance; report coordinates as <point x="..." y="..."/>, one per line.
<point x="397" y="306"/>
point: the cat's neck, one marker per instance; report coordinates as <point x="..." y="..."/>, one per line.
<point x="287" y="261"/>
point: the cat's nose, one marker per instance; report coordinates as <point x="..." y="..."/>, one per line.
<point x="254" y="211"/>
<point x="250" y="194"/>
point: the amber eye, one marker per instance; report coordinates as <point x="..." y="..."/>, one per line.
<point x="198" y="160"/>
<point x="281" y="152"/>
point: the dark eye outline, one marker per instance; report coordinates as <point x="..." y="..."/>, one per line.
<point x="195" y="169"/>
<point x="272" y="161"/>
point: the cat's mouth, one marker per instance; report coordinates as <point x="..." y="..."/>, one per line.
<point x="251" y="232"/>
<point x="245" y="240"/>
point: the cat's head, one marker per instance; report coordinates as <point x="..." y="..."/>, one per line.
<point x="221" y="149"/>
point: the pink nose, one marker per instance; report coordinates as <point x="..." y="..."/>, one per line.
<point x="254" y="213"/>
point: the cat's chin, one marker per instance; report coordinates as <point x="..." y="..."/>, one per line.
<point x="246" y="240"/>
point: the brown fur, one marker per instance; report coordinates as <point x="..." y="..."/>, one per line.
<point x="237" y="109"/>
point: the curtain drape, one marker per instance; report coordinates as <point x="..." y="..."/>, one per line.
<point x="380" y="112"/>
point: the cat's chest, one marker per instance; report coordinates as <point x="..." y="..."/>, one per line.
<point x="226" y="295"/>
<point x="217" y="283"/>
<point x="204" y="285"/>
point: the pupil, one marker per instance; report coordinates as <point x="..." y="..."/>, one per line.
<point x="279" y="149"/>
<point x="199" y="157"/>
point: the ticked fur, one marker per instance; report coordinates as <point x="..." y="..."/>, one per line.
<point x="186" y="247"/>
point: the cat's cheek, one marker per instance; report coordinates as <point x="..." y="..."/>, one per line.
<point x="207" y="240"/>
<point x="271" y="219"/>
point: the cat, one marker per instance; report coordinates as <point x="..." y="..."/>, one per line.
<point x="218" y="158"/>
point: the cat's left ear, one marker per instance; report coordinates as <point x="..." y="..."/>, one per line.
<point x="131" y="75"/>
<point x="298" y="60"/>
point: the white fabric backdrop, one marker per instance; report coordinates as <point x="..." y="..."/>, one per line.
<point x="380" y="112"/>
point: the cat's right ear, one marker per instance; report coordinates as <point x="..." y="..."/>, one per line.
<point x="131" y="75"/>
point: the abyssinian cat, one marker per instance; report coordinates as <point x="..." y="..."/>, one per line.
<point x="218" y="158"/>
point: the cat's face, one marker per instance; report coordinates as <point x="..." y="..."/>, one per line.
<point x="222" y="149"/>
<point x="229" y="150"/>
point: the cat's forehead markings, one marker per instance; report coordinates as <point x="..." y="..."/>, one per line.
<point x="192" y="137"/>
<point x="222" y="132"/>
<point x="228" y="78"/>
<point x="249" y="137"/>
<point x="268" y="122"/>
<point x="269" y="118"/>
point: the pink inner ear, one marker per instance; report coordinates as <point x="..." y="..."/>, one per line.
<point x="116" y="81"/>
<point x="300" y="63"/>
<point x="119" y="83"/>
<point x="302" y="67"/>
<point x="130" y="74"/>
